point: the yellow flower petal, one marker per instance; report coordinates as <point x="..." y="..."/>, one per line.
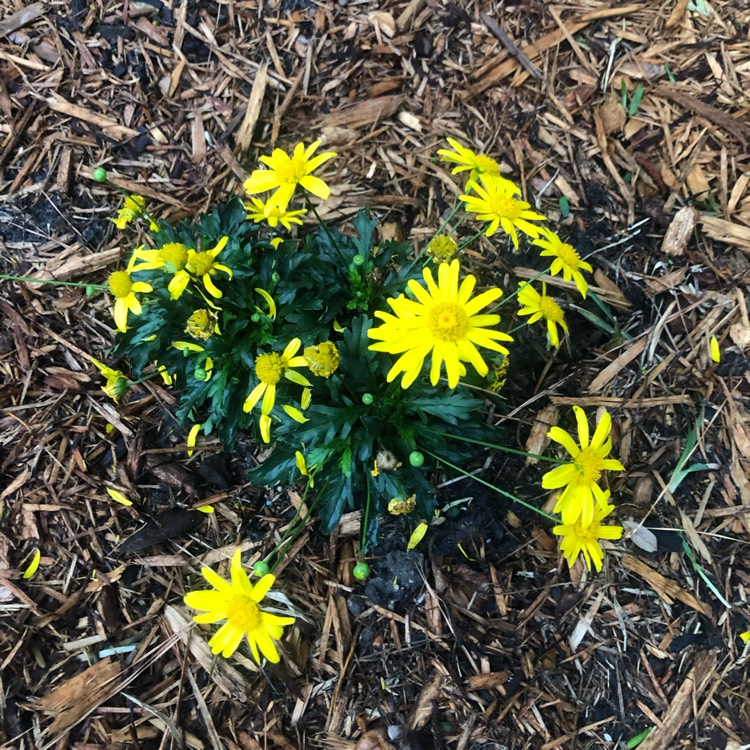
<point x="118" y="497"/>
<point x="33" y="565"/>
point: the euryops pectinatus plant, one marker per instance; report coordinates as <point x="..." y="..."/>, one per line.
<point x="363" y="363"/>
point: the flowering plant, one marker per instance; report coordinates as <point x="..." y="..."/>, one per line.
<point x="359" y="362"/>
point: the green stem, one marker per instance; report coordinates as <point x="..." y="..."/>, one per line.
<point x="31" y="279"/>
<point x="496" y="447"/>
<point x="471" y="239"/>
<point x="293" y="530"/>
<point x="363" y="535"/>
<point x="484" y="482"/>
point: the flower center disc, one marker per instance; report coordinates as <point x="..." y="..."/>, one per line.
<point x="243" y="613"/>
<point x="551" y="310"/>
<point x="269" y="368"/>
<point x="589" y="465"/>
<point x="486" y="164"/>
<point x="175" y="254"/>
<point x="120" y="284"/>
<point x="506" y="207"/>
<point x="291" y="172"/>
<point x="569" y="256"/>
<point x="201" y="264"/>
<point x="448" y="322"/>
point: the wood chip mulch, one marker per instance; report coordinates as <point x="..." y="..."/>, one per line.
<point x="627" y="123"/>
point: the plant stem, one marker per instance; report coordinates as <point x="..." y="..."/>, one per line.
<point x="515" y="499"/>
<point x="503" y="448"/>
<point x="31" y="279"/>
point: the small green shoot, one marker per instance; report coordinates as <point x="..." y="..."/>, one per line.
<point x="564" y="207"/>
<point x="635" y="741"/>
<point x="635" y="101"/>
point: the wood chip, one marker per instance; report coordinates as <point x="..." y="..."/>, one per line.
<point x="680" y="231"/>
<point x="366" y="112"/>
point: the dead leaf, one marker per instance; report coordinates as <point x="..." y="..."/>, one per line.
<point x="740" y="334"/>
<point x="613" y="114"/>
<point x="167" y="525"/>
<point x="666" y="282"/>
<point x="642" y="537"/>
<point x="364" y="113"/>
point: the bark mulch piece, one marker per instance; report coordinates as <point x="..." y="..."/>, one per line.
<point x="628" y="125"/>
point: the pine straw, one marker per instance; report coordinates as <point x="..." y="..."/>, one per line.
<point x="509" y="647"/>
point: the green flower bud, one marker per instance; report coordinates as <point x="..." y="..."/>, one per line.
<point x="100" y="174"/>
<point x="361" y="571"/>
<point x="255" y="317"/>
<point x="261" y="568"/>
<point x="367" y="399"/>
<point x="359" y="260"/>
<point x="90" y="290"/>
<point x="121" y="386"/>
<point x="275" y="277"/>
<point x="200" y="374"/>
<point x="416" y="458"/>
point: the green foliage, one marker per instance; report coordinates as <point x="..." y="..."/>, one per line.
<point x="355" y="430"/>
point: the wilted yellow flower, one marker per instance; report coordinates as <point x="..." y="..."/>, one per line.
<point x="579" y="538"/>
<point x="133" y="207"/>
<point x="124" y="289"/>
<point x="496" y="203"/>
<point x="193" y="437"/>
<point x="286" y="172"/>
<point x="540" y="306"/>
<point x="202" y="324"/>
<point x="273" y="214"/>
<point x="238" y="604"/>
<point x="322" y="359"/>
<point x="399" y="506"/>
<point x="580" y="477"/>
<point x="468" y="159"/>
<point x="117" y="383"/>
<point x="566" y="259"/>
<point x="442" y="248"/>
<point x="444" y="321"/>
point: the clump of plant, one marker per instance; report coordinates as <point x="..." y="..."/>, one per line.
<point x="362" y="363"/>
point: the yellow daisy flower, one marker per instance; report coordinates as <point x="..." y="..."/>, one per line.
<point x="286" y="172"/>
<point x="566" y="259"/>
<point x="540" y="306"/>
<point x="134" y="207"/>
<point x="116" y="384"/>
<point x="468" y="159"/>
<point x="495" y="203"/>
<point x="273" y="214"/>
<point x="580" y="477"/>
<point x="200" y="265"/>
<point x="745" y="636"/>
<point x="124" y="289"/>
<point x="172" y="257"/>
<point x="270" y="368"/>
<point x="238" y="604"/>
<point x="584" y="538"/>
<point x="443" y="320"/>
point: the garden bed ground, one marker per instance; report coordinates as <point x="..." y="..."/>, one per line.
<point x="481" y="637"/>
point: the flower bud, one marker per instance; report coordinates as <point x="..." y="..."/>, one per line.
<point x="359" y="260"/>
<point x="416" y="458"/>
<point x="100" y="174"/>
<point x="90" y="290"/>
<point x="261" y="568"/>
<point x="200" y="374"/>
<point x="367" y="399"/>
<point x="121" y="386"/>
<point x="275" y="277"/>
<point x="361" y="571"/>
